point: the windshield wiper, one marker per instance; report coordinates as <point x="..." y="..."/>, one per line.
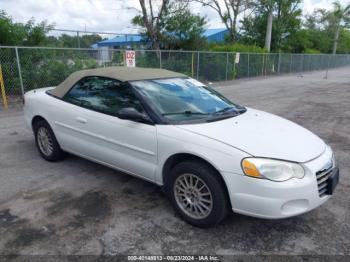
<point x="185" y="113"/>
<point x="224" y="110"/>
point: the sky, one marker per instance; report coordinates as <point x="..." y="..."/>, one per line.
<point x="105" y="15"/>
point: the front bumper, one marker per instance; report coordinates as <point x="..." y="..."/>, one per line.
<point x="268" y="199"/>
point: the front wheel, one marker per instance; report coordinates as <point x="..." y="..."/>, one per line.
<point x="197" y="193"/>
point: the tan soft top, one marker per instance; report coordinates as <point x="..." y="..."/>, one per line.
<point x="116" y="72"/>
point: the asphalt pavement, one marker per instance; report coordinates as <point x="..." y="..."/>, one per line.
<point x="78" y="207"/>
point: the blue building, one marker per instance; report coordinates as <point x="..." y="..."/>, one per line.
<point x="215" y="35"/>
<point x="137" y="40"/>
<point x="121" y="41"/>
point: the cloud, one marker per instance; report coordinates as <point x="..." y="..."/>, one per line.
<point x="94" y="15"/>
<point x="310" y="5"/>
<point x="104" y="15"/>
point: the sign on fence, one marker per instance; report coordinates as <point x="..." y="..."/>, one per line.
<point x="130" y="58"/>
<point x="237" y="58"/>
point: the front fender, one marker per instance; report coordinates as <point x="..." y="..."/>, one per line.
<point x="172" y="140"/>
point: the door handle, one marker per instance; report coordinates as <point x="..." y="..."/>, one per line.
<point x="81" y="120"/>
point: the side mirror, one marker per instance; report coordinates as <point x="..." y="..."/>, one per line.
<point x="131" y="113"/>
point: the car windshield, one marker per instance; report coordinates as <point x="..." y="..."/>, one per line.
<point x="186" y="99"/>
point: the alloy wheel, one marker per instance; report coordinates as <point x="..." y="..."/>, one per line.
<point x="45" y="141"/>
<point x="193" y="196"/>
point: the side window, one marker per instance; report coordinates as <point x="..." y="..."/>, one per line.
<point x="103" y="95"/>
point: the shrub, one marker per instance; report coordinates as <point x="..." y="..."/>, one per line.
<point x="236" y="48"/>
<point x="311" y="51"/>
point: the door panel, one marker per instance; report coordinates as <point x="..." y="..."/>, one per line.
<point x="68" y="130"/>
<point x="127" y="145"/>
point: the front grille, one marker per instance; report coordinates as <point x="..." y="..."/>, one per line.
<point x="322" y="179"/>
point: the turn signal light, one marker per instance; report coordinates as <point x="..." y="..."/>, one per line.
<point x="250" y="169"/>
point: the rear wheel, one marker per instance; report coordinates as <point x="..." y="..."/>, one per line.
<point x="197" y="193"/>
<point x="46" y="142"/>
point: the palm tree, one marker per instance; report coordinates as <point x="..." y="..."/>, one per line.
<point x="341" y="16"/>
<point x="269" y="26"/>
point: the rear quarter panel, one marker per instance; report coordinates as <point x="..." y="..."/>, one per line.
<point x="37" y="103"/>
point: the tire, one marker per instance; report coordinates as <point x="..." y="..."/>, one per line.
<point x="213" y="192"/>
<point x="53" y="152"/>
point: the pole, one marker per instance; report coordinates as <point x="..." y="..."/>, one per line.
<point x="329" y="58"/>
<point x="3" y="91"/>
<point x="301" y="65"/>
<point x="192" y="64"/>
<point x="234" y="67"/>
<point x="226" y="65"/>
<point x="78" y="38"/>
<point x="198" y="65"/>
<point x="279" y="63"/>
<point x="101" y="56"/>
<point x="248" y="65"/>
<point x="160" y="59"/>
<point x="19" y="71"/>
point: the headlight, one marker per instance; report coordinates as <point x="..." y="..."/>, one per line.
<point x="333" y="161"/>
<point x="271" y="169"/>
<point x="333" y="157"/>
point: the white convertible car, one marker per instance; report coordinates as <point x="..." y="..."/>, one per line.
<point x="210" y="154"/>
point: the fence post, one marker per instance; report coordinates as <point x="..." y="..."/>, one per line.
<point x="19" y="70"/>
<point x="226" y="65"/>
<point x="279" y="63"/>
<point x="291" y="63"/>
<point x="78" y="38"/>
<point x="197" y="65"/>
<point x="329" y="58"/>
<point x="234" y="66"/>
<point x="192" y="68"/>
<point x="160" y="58"/>
<point x="3" y="91"/>
<point x="248" y="65"/>
<point x="103" y="59"/>
<point x="301" y="65"/>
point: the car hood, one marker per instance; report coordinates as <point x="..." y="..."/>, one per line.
<point x="263" y="135"/>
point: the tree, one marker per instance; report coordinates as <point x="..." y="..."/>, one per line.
<point x="319" y="32"/>
<point x="36" y="33"/>
<point x="11" y="34"/>
<point x="65" y="40"/>
<point x="184" y="30"/>
<point x="341" y="17"/>
<point x="269" y="25"/>
<point x="286" y="23"/>
<point x="153" y="16"/>
<point x="316" y="33"/>
<point x="228" y="10"/>
<point x="343" y="46"/>
<point x="29" y="34"/>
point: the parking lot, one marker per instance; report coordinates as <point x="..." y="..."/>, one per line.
<point x="79" y="207"/>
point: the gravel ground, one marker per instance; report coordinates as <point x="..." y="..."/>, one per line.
<point x="79" y="207"/>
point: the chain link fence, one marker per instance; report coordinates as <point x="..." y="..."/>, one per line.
<point x="26" y="68"/>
